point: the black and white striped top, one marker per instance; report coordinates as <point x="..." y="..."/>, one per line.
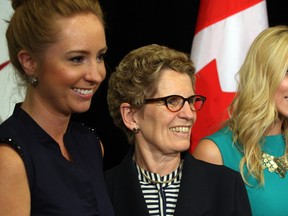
<point x="160" y="193"/>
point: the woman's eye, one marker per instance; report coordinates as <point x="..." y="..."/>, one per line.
<point x="77" y="59"/>
<point x="100" y="57"/>
<point x="173" y="101"/>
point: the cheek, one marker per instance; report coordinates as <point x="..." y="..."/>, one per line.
<point x="283" y="88"/>
<point x="279" y="96"/>
<point x="166" y="117"/>
<point x="66" y="75"/>
<point x="102" y="72"/>
<point x="158" y="119"/>
<point x="51" y="71"/>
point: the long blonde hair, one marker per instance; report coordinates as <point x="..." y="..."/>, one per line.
<point x="253" y="110"/>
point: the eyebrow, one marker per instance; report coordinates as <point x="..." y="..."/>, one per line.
<point x="85" y="52"/>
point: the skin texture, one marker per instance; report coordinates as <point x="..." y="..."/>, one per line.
<point x="13" y="184"/>
<point x="69" y="68"/>
<point x="208" y="151"/>
<point x="157" y="147"/>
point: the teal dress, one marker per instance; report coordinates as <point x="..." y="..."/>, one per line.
<point x="270" y="199"/>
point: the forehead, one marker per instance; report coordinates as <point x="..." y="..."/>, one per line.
<point x="173" y="82"/>
<point x="80" y="25"/>
<point x="83" y="32"/>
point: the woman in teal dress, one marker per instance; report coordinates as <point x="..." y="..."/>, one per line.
<point x="254" y="139"/>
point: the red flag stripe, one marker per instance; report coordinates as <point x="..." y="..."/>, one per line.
<point x="212" y="11"/>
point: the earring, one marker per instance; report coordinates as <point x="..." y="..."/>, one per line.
<point x="33" y="81"/>
<point x="135" y="130"/>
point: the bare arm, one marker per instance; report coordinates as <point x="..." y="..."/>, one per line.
<point x="207" y="150"/>
<point x="15" y="194"/>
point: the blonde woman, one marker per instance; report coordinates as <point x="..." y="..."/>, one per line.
<point x="254" y="141"/>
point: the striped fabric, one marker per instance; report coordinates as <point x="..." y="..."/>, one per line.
<point x="160" y="193"/>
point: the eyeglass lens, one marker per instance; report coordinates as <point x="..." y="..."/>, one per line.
<point x="175" y="103"/>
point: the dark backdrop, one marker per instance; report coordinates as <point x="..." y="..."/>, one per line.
<point x="133" y="23"/>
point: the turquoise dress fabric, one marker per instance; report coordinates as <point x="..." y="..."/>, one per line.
<point x="270" y="199"/>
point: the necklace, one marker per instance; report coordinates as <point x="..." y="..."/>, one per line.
<point x="274" y="164"/>
<point x="179" y="170"/>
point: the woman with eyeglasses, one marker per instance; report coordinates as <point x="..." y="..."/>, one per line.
<point x="254" y="139"/>
<point x="151" y="98"/>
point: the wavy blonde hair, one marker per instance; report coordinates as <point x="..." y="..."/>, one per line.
<point x="253" y="110"/>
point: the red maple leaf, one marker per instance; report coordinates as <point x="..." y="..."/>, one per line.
<point x="214" y="111"/>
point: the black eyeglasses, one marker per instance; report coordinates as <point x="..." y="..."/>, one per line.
<point x="175" y="102"/>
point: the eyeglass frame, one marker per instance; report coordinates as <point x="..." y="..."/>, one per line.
<point x="165" y="100"/>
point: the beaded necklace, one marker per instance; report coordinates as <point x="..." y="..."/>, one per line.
<point x="275" y="164"/>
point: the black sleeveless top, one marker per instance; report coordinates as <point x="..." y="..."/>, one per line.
<point x="58" y="186"/>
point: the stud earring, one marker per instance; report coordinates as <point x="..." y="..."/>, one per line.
<point x="135" y="130"/>
<point x="33" y="81"/>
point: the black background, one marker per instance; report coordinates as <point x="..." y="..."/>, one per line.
<point x="134" y="23"/>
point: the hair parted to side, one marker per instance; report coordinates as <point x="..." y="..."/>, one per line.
<point x="253" y="110"/>
<point x="137" y="75"/>
<point x="32" y="26"/>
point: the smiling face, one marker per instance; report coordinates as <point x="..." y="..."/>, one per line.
<point x="163" y="131"/>
<point x="71" y="69"/>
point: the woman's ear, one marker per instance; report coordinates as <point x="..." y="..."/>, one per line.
<point x="28" y="62"/>
<point x="127" y="114"/>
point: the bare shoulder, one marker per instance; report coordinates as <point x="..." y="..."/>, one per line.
<point x="208" y="151"/>
<point x="13" y="183"/>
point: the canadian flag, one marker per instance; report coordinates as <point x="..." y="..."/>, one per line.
<point x="224" y="32"/>
<point x="10" y="93"/>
